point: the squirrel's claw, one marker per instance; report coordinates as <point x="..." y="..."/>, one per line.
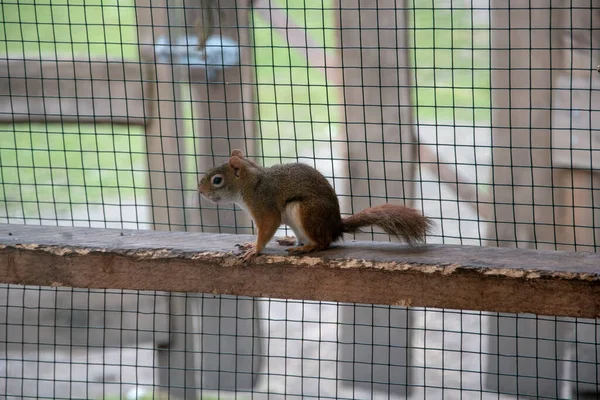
<point x="246" y="251"/>
<point x="252" y="252"/>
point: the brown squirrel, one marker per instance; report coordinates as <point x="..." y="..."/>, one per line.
<point x="301" y="197"/>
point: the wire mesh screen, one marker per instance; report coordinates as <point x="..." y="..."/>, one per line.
<point x="482" y="114"/>
<point x="70" y="343"/>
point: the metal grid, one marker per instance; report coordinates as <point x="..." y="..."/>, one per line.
<point x="394" y="101"/>
<point x="70" y="343"/>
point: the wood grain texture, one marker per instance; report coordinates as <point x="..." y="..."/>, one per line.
<point x="457" y="277"/>
<point x="79" y="90"/>
<point x="164" y="127"/>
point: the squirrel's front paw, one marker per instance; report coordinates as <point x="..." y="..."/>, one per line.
<point x="252" y="252"/>
<point x="246" y="251"/>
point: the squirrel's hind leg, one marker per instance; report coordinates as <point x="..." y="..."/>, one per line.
<point x="291" y="217"/>
<point x="309" y="221"/>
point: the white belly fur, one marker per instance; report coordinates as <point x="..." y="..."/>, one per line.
<point x="291" y="217"/>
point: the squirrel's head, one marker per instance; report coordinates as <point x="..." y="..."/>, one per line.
<point x="224" y="183"/>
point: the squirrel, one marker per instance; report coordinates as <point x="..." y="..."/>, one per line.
<point x="299" y="196"/>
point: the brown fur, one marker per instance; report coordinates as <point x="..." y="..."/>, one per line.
<point x="322" y="221"/>
<point x="402" y="222"/>
<point x="268" y="193"/>
<point x="266" y="225"/>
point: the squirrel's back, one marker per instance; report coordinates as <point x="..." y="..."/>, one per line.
<point x="301" y="182"/>
<point x="308" y="189"/>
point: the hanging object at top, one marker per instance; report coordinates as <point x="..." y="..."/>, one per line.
<point x="218" y="53"/>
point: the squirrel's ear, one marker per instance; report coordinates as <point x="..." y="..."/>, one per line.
<point x="236" y="163"/>
<point x="237" y="153"/>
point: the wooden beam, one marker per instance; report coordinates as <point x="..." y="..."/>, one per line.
<point x="224" y="116"/>
<point x="79" y="90"/>
<point x="378" y="114"/>
<point x="442" y="276"/>
<point x="163" y="143"/>
<point x="381" y="150"/>
<point x="527" y="58"/>
<point x="165" y="121"/>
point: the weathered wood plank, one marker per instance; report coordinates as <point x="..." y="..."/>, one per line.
<point x="457" y="277"/>
<point x="79" y="90"/>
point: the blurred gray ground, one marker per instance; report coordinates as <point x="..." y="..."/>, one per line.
<point x="70" y="343"/>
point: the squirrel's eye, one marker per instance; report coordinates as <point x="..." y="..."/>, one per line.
<point x="217" y="180"/>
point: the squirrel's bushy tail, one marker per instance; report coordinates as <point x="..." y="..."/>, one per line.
<point x="403" y="222"/>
